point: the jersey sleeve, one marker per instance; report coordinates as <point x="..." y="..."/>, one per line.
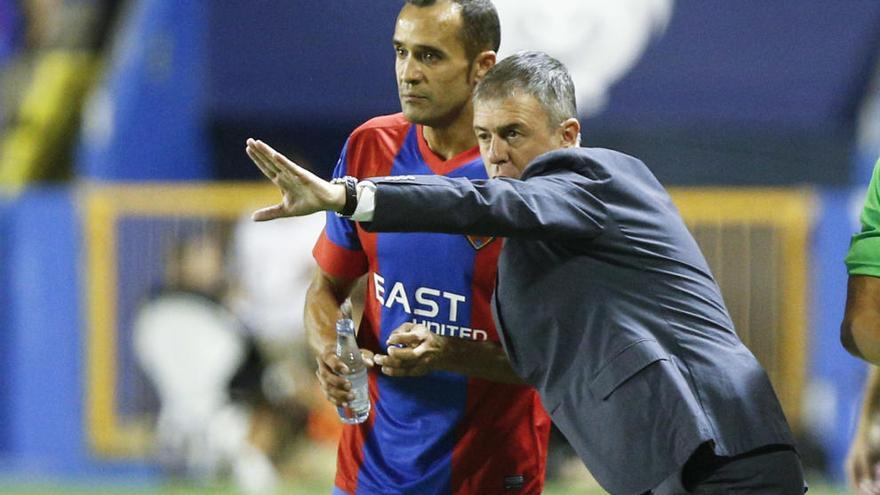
<point x="864" y="249"/>
<point x="338" y="250"/>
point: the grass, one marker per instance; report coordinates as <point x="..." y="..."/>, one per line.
<point x="313" y="471"/>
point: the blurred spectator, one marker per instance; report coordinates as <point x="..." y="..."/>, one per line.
<point x="195" y="352"/>
<point x="222" y="342"/>
<point x="269" y="288"/>
<point x="267" y="295"/>
<point x="49" y="52"/>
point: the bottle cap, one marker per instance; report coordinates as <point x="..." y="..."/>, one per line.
<point x="346" y="309"/>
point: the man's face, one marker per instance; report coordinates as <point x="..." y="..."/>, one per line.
<point x="513" y="131"/>
<point x="434" y="75"/>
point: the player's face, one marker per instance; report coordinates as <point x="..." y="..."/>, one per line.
<point x="513" y="131"/>
<point x="434" y="74"/>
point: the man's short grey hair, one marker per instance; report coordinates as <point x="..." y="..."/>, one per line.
<point x="536" y="74"/>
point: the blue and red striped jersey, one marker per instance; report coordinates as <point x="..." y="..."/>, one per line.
<point x="443" y="433"/>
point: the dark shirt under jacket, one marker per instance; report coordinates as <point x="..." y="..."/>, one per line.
<point x="606" y="305"/>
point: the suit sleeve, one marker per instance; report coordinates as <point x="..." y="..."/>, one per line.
<point x="560" y="204"/>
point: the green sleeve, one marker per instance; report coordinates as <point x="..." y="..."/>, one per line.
<point x="864" y="249"/>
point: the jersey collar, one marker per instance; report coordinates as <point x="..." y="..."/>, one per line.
<point x="437" y="164"/>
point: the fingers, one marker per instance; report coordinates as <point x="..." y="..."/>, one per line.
<point x="262" y="158"/>
<point x="269" y="213"/>
<point x="398" y="361"/>
<point x="391" y="366"/>
<point x="401" y="340"/>
<point x="272" y="163"/>
<point x="410" y="352"/>
<point x="368" y="358"/>
<point x="408" y="335"/>
<point x="280" y="164"/>
<point x="278" y="161"/>
<point x="331" y="361"/>
<point x="404" y="354"/>
<point x="336" y="388"/>
<point x="402" y="362"/>
<point x="258" y="161"/>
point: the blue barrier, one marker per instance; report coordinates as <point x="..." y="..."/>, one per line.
<point x="45" y="365"/>
<point x="5" y="325"/>
<point x="43" y="362"/>
<point x="838" y="378"/>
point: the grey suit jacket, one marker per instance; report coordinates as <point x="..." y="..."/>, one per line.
<point x="606" y="305"/>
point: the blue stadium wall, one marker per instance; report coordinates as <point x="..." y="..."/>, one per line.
<point x="836" y="378"/>
<point x="42" y="388"/>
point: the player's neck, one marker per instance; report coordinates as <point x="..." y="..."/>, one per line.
<point x="449" y="141"/>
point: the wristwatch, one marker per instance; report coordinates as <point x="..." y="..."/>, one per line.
<point x="351" y="199"/>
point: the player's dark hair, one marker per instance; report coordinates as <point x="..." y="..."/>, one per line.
<point x="536" y="74"/>
<point x="481" y="29"/>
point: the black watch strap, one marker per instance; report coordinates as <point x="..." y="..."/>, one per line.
<point x="351" y="199"/>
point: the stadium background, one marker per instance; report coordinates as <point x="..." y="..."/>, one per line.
<point x="127" y="125"/>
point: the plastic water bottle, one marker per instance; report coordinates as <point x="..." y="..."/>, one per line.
<point x="358" y="410"/>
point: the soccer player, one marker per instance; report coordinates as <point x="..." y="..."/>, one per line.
<point x="860" y="334"/>
<point x="603" y="300"/>
<point x="456" y="420"/>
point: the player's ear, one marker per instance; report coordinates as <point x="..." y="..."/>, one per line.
<point x="571" y="133"/>
<point x="484" y="61"/>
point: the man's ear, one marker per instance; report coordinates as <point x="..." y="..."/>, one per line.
<point x="484" y="62"/>
<point x="571" y="133"/>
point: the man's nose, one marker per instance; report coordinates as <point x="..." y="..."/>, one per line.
<point x="410" y="72"/>
<point x="497" y="151"/>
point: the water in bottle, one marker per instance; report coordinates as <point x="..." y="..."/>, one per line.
<point x="347" y="349"/>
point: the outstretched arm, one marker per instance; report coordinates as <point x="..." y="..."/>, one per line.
<point x="557" y="204"/>
<point x="304" y="192"/>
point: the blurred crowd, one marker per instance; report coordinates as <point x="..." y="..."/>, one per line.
<point x="220" y="338"/>
<point x="49" y="56"/>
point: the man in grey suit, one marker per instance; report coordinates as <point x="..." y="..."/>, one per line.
<point x="603" y="299"/>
